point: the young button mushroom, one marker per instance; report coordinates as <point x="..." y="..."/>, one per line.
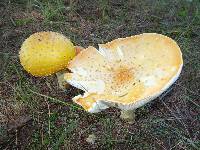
<point x="46" y="53"/>
<point x="125" y="73"/>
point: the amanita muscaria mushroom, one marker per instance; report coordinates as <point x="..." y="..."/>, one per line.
<point x="126" y="72"/>
<point x="46" y="53"/>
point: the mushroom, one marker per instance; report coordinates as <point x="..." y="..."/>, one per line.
<point x="125" y="73"/>
<point x="46" y="53"/>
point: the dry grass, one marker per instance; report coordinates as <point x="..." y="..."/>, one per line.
<point x="36" y="114"/>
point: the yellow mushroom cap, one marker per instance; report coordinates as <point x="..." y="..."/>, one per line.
<point x="125" y="73"/>
<point x="45" y="53"/>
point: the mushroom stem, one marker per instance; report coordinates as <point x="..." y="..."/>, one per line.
<point x="60" y="75"/>
<point x="128" y="115"/>
<point x="61" y="81"/>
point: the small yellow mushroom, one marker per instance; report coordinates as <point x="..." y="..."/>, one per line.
<point x="45" y="53"/>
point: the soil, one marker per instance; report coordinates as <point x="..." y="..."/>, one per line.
<point x="168" y="122"/>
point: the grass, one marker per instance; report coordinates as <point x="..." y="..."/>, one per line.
<point x="171" y="122"/>
<point x="50" y="10"/>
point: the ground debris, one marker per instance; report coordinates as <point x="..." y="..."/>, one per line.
<point x="91" y="139"/>
<point x="18" y="123"/>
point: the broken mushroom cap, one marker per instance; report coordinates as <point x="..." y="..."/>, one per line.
<point x="125" y="73"/>
<point x="45" y="53"/>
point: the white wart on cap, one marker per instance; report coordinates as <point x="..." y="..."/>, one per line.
<point x="125" y="73"/>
